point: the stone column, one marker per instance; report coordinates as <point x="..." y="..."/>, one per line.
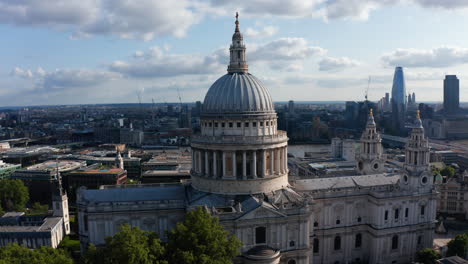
<point x="207" y="167"/>
<point x="224" y="165"/>
<point x="254" y="164"/>
<point x="285" y="149"/>
<point x="272" y="161"/>
<point x="281" y="160"/>
<point x="277" y="156"/>
<point x="263" y="156"/>
<point x="234" y="165"/>
<point x="244" y="165"/>
<point x="215" y="165"/>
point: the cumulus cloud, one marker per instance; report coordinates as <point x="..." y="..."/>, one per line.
<point x="143" y="19"/>
<point x="448" y="4"/>
<point x="336" y="64"/>
<point x="285" y="49"/>
<point x="157" y="62"/>
<point x="65" y="78"/>
<point x="437" y="57"/>
<point x="264" y="32"/>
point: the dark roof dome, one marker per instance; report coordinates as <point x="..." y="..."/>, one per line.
<point x="238" y="93"/>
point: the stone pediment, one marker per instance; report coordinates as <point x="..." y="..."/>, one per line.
<point x="262" y="211"/>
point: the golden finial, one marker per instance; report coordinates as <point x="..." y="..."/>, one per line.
<point x="418" y="116"/>
<point x="371" y="112"/>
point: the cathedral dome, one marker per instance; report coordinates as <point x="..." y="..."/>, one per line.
<point x="238" y="93"/>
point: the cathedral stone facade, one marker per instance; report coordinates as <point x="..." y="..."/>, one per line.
<point x="240" y="174"/>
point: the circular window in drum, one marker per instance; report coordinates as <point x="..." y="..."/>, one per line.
<point x="376" y="166"/>
<point x="424" y="180"/>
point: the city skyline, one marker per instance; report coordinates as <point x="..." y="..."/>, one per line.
<point x="303" y="51"/>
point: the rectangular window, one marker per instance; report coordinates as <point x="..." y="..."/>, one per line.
<point x="419" y="240"/>
<point x="216" y="124"/>
<point x="210" y="124"/>
<point x="238" y="124"/>
<point x="230" y="124"/>
<point x="254" y="124"/>
<point x="266" y="124"/>
<point x="246" y="124"/>
<point x="223" y="124"/>
<point x="397" y="213"/>
<point x="386" y="215"/>
<point x="423" y="209"/>
<point x="406" y="212"/>
<point x="261" y="123"/>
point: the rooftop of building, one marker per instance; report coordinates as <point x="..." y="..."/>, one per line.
<point x="4" y="165"/>
<point x="136" y="193"/>
<point x="29" y="151"/>
<point x="332" y="183"/>
<point x="52" y="165"/>
<point x="18" y="222"/>
<point x="97" y="169"/>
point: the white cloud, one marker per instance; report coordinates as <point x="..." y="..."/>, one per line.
<point x="437" y="57"/>
<point x="65" y="78"/>
<point x="22" y="73"/>
<point x="264" y="32"/>
<point x="144" y="19"/>
<point x="157" y="62"/>
<point x="336" y="64"/>
<point x="448" y="4"/>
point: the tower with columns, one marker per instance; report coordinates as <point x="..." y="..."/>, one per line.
<point x="369" y="160"/>
<point x="417" y="172"/>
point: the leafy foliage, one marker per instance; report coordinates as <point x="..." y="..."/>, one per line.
<point x="131" y="245"/>
<point x="13" y="195"/>
<point x="427" y="256"/>
<point x="16" y="254"/>
<point x="448" y="171"/>
<point x="458" y="246"/>
<point x="38" y="209"/>
<point x="70" y="245"/>
<point x="201" y="239"/>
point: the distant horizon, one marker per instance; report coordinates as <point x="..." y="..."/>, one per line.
<point x="194" y="102"/>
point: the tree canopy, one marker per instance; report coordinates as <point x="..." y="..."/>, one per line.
<point x="448" y="171"/>
<point x="201" y="239"/>
<point x="13" y="195"/>
<point x="131" y="245"/>
<point x="458" y="246"/>
<point x="427" y="256"/>
<point x="16" y="254"/>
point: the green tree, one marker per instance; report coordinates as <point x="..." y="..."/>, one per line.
<point x="129" y="246"/>
<point x="13" y="195"/>
<point x="448" y="171"/>
<point x="427" y="256"/>
<point x="458" y="246"/>
<point x="16" y="254"/>
<point x="201" y="239"/>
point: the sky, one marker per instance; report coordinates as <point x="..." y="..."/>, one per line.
<point x="117" y="51"/>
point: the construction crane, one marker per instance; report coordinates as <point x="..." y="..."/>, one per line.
<point x="367" y="90"/>
<point x="180" y="99"/>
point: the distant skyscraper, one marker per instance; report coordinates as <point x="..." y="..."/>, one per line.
<point x="291" y="107"/>
<point x="451" y="94"/>
<point x="398" y="99"/>
<point x="414" y="98"/>
<point x="387" y="101"/>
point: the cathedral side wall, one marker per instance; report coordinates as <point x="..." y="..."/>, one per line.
<point x="259" y="185"/>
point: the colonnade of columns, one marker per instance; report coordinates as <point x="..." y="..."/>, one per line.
<point x="240" y="164"/>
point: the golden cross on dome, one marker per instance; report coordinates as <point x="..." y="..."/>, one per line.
<point x="371" y="112"/>
<point x="418" y="116"/>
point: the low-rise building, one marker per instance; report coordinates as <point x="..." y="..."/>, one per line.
<point x="41" y="179"/>
<point x="7" y="169"/>
<point x="94" y="176"/>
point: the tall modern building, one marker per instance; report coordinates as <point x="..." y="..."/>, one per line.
<point x="451" y="94"/>
<point x="398" y="99"/>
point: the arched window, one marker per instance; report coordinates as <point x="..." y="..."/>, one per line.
<point x="358" y="241"/>
<point x="337" y="243"/>
<point x="316" y="245"/>
<point x="260" y="235"/>
<point x="406" y="212"/>
<point x="338" y="221"/>
<point x="397" y="213"/>
<point x="292" y="243"/>
<point x="395" y="242"/>
<point x="315" y="224"/>
<point x="359" y="219"/>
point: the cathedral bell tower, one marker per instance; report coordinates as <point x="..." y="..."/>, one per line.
<point x="417" y="172"/>
<point x="369" y="160"/>
<point x="238" y="60"/>
<point x="60" y="203"/>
